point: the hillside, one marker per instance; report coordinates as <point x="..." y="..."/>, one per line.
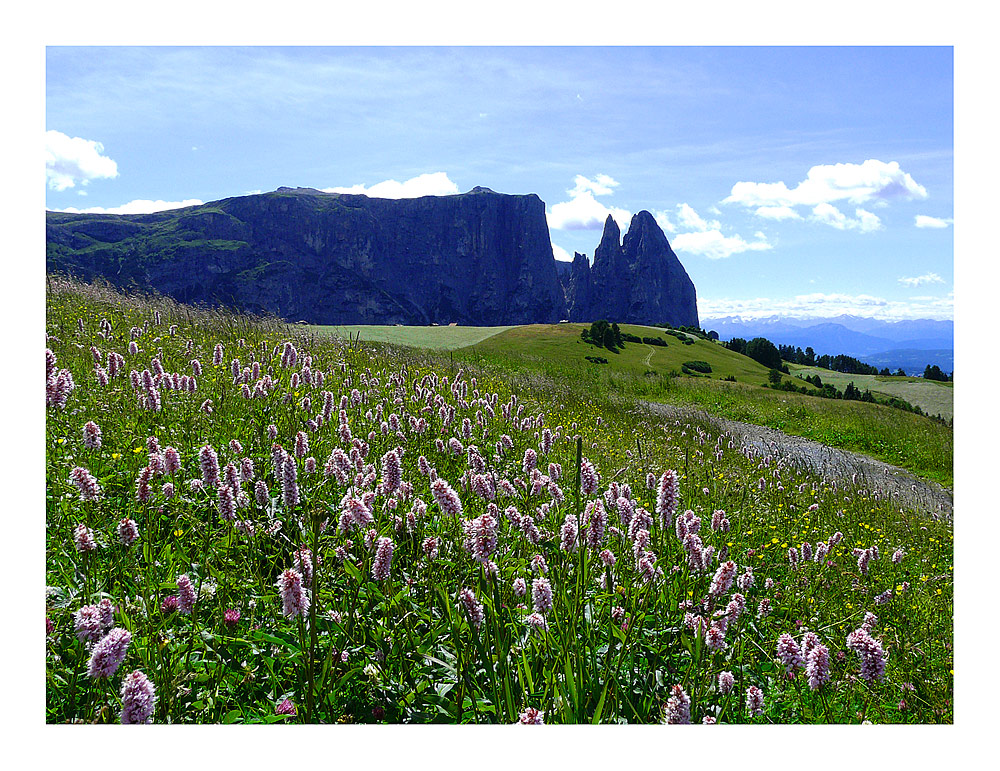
<point x="432" y="338"/>
<point x="649" y="373"/>
<point x="428" y="553"/>
<point x="933" y="397"/>
<point x="561" y="344"/>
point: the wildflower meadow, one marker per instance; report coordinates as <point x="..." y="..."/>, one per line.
<point x="250" y="523"/>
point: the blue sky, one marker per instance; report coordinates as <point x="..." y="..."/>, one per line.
<point x="806" y="181"/>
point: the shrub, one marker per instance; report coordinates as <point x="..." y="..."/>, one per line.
<point x="699" y="366"/>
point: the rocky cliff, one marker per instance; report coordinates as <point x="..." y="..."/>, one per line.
<point x="638" y="280"/>
<point x="480" y="258"/>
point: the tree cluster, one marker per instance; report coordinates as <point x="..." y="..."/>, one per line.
<point x="603" y="335"/>
<point x="933" y="372"/>
<point x="760" y="349"/>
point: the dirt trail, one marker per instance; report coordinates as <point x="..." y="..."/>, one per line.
<point x="831" y="463"/>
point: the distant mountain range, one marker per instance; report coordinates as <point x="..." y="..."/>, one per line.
<point x="911" y="344"/>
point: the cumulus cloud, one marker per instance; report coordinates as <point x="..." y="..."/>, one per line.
<point x="828" y="214"/>
<point x="663" y="220"/>
<point x="139" y="206"/>
<point x="867" y="222"/>
<point x="696" y="235"/>
<point x="819" y="305"/>
<point x="690" y="232"/>
<point x="855" y="183"/>
<point x="602" y="184"/>
<point x="583" y="211"/>
<point x="923" y="221"/>
<point x="716" y="246"/>
<point x="561" y="254"/>
<point x="778" y="213"/>
<point x="72" y="160"/>
<point x="690" y="219"/>
<point x="434" y="183"/>
<point x="927" y="278"/>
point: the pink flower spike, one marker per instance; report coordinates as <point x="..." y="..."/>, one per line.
<point x="138" y="699"/>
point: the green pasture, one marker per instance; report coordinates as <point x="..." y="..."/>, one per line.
<point x="433" y="338"/>
<point x="931" y="396"/>
<point x="561" y="344"/>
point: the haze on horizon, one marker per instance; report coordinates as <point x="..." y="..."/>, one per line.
<point x="810" y="182"/>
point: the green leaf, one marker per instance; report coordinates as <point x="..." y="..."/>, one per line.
<point x="571" y="682"/>
<point x="596" y="720"/>
<point x="291" y="644"/>
<point x="352" y="570"/>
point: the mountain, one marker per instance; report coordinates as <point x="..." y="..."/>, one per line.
<point x="636" y="280"/>
<point x="479" y="258"/>
<point x="563" y="270"/>
<point x="913" y="361"/>
<point x="849" y="335"/>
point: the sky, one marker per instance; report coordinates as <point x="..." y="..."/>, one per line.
<point x="807" y="181"/>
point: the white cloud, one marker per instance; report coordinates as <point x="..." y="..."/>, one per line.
<point x="140" y="206"/>
<point x="69" y="160"/>
<point x="435" y="183"/>
<point x="561" y="254"/>
<point x="830" y="215"/>
<point x="583" y="211"/>
<point x="867" y="222"/>
<point x="927" y="278"/>
<point x="663" y="220"/>
<point x="819" y="305"/>
<point x="778" y="213"/>
<point x="716" y="246"/>
<point x="602" y="185"/>
<point x="872" y="181"/>
<point x="923" y="221"/>
<point x="690" y="219"/>
<point x="704" y="237"/>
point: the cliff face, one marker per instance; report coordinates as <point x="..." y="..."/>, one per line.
<point x="640" y="281"/>
<point x="480" y="258"/>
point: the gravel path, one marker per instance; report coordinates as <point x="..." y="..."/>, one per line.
<point x="831" y="463"/>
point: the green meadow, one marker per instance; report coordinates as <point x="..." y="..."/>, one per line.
<point x="433" y="338"/>
<point x="247" y="522"/>
<point x="932" y="396"/>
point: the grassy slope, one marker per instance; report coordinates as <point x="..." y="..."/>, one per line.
<point x="932" y="397"/>
<point x="434" y="338"/>
<point x="910" y="441"/>
<point x="185" y="535"/>
<point x="561" y="344"/>
<point x="642" y="371"/>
